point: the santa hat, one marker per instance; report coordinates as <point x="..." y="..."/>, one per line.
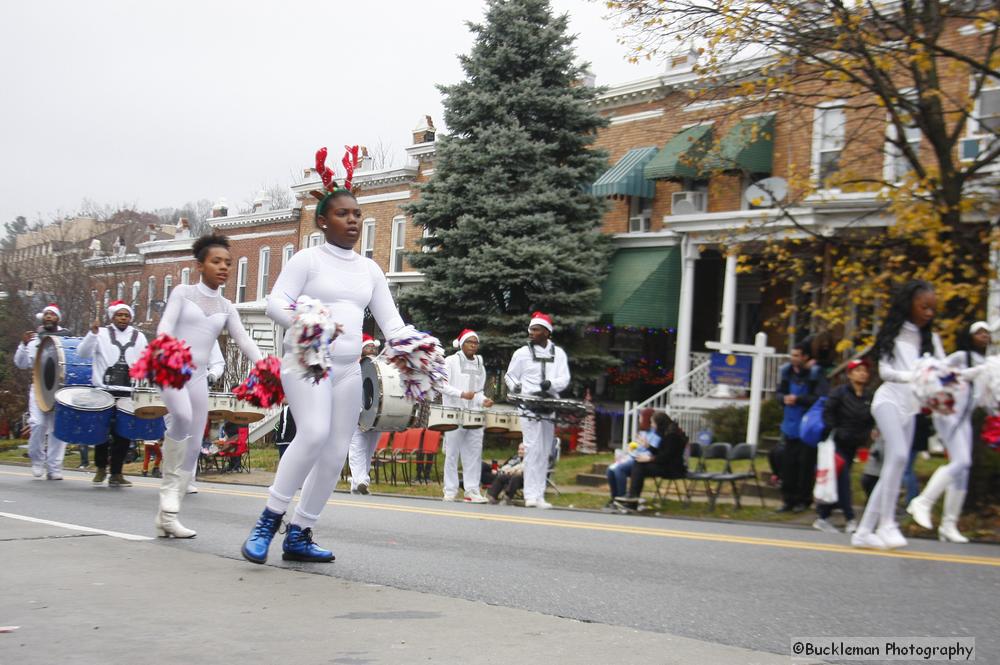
<point x="368" y="339"/>
<point x="52" y="307"/>
<point x="539" y="319"/>
<point x="116" y="305"/>
<point x="462" y="336"/>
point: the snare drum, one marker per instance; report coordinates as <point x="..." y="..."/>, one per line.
<point x="514" y="422"/>
<point x="384" y="407"/>
<point x="221" y="406"/>
<point x="498" y="420"/>
<point x="473" y="419"/>
<point x="148" y="403"/>
<point x="57" y="366"/>
<point x="245" y="413"/>
<point x="133" y="428"/>
<point x="83" y="415"/>
<point x="444" y="418"/>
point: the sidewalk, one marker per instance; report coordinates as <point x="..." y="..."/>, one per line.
<point x="111" y="601"/>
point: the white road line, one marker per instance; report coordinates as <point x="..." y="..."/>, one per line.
<point x="76" y="527"/>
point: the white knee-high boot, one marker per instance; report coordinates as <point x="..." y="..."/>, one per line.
<point x="948" y="531"/>
<point x="921" y="506"/>
<point x="172" y="490"/>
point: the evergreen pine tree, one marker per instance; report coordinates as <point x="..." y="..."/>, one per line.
<point x="511" y="224"/>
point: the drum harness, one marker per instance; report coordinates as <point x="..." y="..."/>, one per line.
<point x="117" y="374"/>
<point x="543" y="362"/>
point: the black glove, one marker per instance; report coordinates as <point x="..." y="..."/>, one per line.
<point x="517" y="388"/>
<point x="545" y="385"/>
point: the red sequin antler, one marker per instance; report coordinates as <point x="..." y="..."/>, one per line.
<point x="324" y="171"/>
<point x="350" y="163"/>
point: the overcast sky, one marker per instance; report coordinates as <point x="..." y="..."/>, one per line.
<point x="158" y="103"/>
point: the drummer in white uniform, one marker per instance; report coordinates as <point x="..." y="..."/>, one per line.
<point x="359" y="455"/>
<point x="114" y="348"/>
<point x="46" y="460"/>
<point x="464" y="390"/>
<point x="539" y="369"/>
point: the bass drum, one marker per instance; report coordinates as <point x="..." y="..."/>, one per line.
<point x="57" y="366"/>
<point x="383" y="405"/>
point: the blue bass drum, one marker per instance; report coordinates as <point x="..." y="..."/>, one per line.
<point x="57" y="366"/>
<point x="83" y="415"/>
<point x="134" y="428"/>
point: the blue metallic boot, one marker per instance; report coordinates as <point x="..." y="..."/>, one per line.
<point x="299" y="546"/>
<point x="256" y="546"/>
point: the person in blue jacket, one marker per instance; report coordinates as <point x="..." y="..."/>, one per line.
<point x="802" y="383"/>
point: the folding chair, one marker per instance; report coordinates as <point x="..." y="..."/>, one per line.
<point x="378" y="464"/>
<point x="739" y="452"/>
<point x="553" y="460"/>
<point x="426" y="458"/>
<point x="404" y="446"/>
<point x="702" y="474"/>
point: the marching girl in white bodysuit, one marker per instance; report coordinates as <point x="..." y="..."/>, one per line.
<point x="904" y="337"/>
<point x="197" y="314"/>
<point x="326" y="413"/>
<point x="955" y="430"/>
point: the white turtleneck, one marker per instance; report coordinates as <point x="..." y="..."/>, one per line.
<point x="346" y="283"/>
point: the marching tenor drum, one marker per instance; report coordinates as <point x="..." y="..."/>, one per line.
<point x="473" y="419"/>
<point x="245" y="413"/>
<point x="444" y="418"/>
<point x="83" y="415"/>
<point x="498" y="420"/>
<point x="221" y="406"/>
<point x="384" y="408"/>
<point x="57" y="366"/>
<point x="148" y="403"/>
<point x="133" y="428"/>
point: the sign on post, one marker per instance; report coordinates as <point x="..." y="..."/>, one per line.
<point x="730" y="369"/>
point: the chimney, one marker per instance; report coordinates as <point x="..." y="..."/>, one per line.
<point x="587" y="79"/>
<point x="424" y="132"/>
<point x="220" y="209"/>
<point x="684" y="59"/>
<point x="151" y="230"/>
<point x="183" y="229"/>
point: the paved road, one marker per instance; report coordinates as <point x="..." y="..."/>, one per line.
<point x="672" y="587"/>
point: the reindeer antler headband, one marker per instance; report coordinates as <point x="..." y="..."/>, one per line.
<point x="330" y="188"/>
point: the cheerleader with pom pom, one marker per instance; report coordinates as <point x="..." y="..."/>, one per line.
<point x="192" y="321"/>
<point x="322" y="380"/>
<point x="955" y="430"/>
<point x="904" y="338"/>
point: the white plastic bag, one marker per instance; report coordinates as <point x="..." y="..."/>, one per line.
<point x="825" y="489"/>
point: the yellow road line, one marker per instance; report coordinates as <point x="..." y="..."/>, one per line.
<point x="607" y="528"/>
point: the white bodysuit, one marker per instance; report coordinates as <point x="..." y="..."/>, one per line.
<point x="198" y="315"/>
<point x="326" y="413"/>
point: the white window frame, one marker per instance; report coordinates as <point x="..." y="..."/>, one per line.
<point x="120" y="291"/>
<point x="185" y="276"/>
<point x="818" y="138"/>
<point x="895" y="166"/>
<point x="136" y="290"/>
<point x="241" y="279"/>
<point x="287" y="252"/>
<point x="315" y="239"/>
<point x="150" y="294"/>
<point x="639" y="207"/>
<point x="168" y="284"/>
<point x="263" y="271"/>
<point x="398" y="245"/>
<point x="368" y="238"/>
<point x="974" y="130"/>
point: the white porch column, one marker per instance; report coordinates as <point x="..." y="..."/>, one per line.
<point x="685" y="316"/>
<point x="727" y="323"/>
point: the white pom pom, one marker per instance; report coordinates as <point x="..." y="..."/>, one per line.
<point x="936" y="385"/>
<point x="455" y="344"/>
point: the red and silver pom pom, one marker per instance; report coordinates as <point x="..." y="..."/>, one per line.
<point x="313" y="333"/>
<point x="166" y="362"/>
<point x="422" y="368"/>
<point x="263" y="386"/>
<point x="937" y="385"/>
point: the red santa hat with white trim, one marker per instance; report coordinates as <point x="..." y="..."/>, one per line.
<point x="115" y="305"/>
<point x="463" y="336"/>
<point x="540" y="319"/>
<point x="52" y="307"/>
<point x="368" y="339"/>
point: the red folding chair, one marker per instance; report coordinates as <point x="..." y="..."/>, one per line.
<point x="379" y="456"/>
<point x="406" y="451"/>
<point x="426" y="458"/>
<point x="241" y="453"/>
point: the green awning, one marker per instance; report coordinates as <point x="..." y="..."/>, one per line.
<point x="748" y="146"/>
<point x="625" y="177"/>
<point x="682" y="155"/>
<point x="642" y="289"/>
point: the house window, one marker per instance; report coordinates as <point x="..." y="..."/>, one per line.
<point x="286" y="254"/>
<point x="150" y="294"/>
<point x="168" y="283"/>
<point x="640" y="211"/>
<point x="93" y="296"/>
<point x="120" y="291"/>
<point x="186" y="276"/>
<point x="263" y="268"/>
<point x="828" y="141"/>
<point x="368" y="238"/>
<point x="427" y="233"/>
<point x="315" y="239"/>
<point x="136" y="288"/>
<point x="984" y="125"/>
<point x="398" y="242"/>
<point x="241" y="279"/>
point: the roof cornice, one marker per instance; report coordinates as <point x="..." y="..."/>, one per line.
<point x="261" y="218"/>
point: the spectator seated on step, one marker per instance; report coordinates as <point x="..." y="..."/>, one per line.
<point x="665" y="461"/>
<point x="233" y="444"/>
<point x="647" y="439"/>
<point x="509" y="478"/>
